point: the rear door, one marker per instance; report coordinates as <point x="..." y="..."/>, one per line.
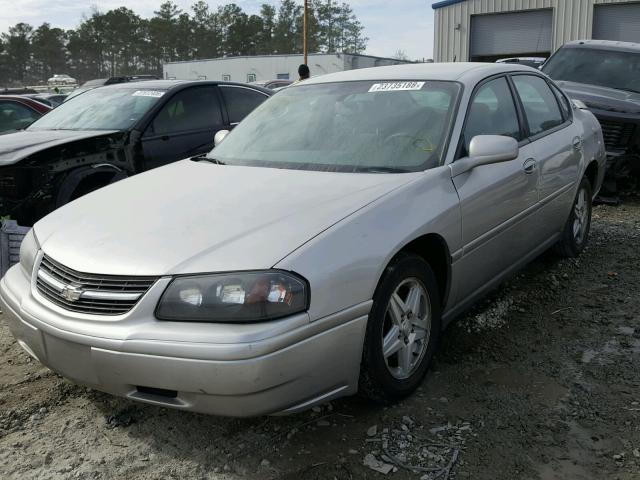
<point x="183" y="127"/>
<point x="495" y="200"/>
<point x="240" y="101"/>
<point x="557" y="142"/>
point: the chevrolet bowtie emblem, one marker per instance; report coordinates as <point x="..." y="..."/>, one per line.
<point x="71" y="293"/>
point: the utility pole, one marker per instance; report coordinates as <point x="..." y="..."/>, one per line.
<point x="305" y="27"/>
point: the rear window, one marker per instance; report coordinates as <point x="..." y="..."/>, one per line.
<point x="241" y="101"/>
<point x="539" y="102"/>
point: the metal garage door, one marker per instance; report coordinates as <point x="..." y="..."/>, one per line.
<point x="617" y="22"/>
<point x="511" y="34"/>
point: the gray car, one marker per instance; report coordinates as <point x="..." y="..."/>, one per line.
<point x="319" y="249"/>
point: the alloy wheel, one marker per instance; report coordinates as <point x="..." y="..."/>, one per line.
<point x="581" y="216"/>
<point x="406" y="329"/>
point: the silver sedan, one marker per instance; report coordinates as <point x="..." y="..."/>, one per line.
<point x="319" y="249"/>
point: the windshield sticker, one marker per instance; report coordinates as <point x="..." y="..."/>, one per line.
<point x="148" y="93"/>
<point x="396" y="86"/>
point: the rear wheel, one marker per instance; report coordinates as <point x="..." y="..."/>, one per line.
<point x="576" y="231"/>
<point x="402" y="331"/>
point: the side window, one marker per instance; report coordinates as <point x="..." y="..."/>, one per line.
<point x="492" y="112"/>
<point x="241" y="101"/>
<point x="15" y="116"/>
<point x="195" y="108"/>
<point x="539" y="102"/>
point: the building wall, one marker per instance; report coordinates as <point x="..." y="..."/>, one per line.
<point x="268" y="67"/>
<point x="573" y="20"/>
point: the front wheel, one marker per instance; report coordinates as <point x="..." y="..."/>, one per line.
<point x="402" y="331"/>
<point x="576" y="231"/>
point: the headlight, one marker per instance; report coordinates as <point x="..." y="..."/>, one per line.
<point x="234" y="297"/>
<point x="28" y="252"/>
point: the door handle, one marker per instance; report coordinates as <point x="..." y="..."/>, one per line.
<point x="577" y="143"/>
<point x="529" y="166"/>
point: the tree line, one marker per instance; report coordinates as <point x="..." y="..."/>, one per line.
<point x="120" y="42"/>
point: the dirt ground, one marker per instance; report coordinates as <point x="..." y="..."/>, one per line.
<point x="541" y="381"/>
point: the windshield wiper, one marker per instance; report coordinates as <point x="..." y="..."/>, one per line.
<point x="381" y="170"/>
<point x="209" y="159"/>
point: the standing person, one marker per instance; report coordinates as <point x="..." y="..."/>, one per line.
<point x="303" y="73"/>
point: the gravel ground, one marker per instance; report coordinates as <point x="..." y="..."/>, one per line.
<point x="541" y="381"/>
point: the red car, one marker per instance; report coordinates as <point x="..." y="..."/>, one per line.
<point x="17" y="112"/>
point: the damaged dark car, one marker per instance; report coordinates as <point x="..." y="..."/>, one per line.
<point x="110" y="133"/>
<point x="605" y="76"/>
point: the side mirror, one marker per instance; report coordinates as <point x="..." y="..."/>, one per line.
<point x="219" y="137"/>
<point x="485" y="150"/>
<point x="579" y="104"/>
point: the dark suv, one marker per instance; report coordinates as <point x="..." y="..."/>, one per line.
<point x="605" y="76"/>
<point x="110" y="133"/>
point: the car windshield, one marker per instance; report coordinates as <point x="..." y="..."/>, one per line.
<point x="606" y="68"/>
<point x="100" y="109"/>
<point x="365" y="126"/>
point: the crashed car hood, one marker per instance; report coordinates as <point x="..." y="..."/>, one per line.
<point x="603" y="98"/>
<point x="19" y="145"/>
<point x="191" y="217"/>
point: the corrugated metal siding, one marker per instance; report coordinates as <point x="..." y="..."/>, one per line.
<point x="573" y="20"/>
<point x="511" y="33"/>
<point x="617" y="22"/>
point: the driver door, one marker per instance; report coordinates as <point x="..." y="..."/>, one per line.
<point x="496" y="199"/>
<point x="183" y="127"/>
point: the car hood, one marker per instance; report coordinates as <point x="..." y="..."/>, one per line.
<point x="603" y="98"/>
<point x="20" y="145"/>
<point x="191" y="217"/>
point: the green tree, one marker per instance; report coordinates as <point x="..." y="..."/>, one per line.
<point x="123" y="39"/>
<point x="288" y="36"/>
<point x="266" y="36"/>
<point x="119" y="42"/>
<point x="48" y="53"/>
<point x="207" y="32"/>
<point x="162" y="34"/>
<point x="86" y="47"/>
<point x="17" y="46"/>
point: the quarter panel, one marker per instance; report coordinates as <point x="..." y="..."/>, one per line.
<point x="344" y="264"/>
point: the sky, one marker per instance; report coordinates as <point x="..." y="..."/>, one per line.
<point x="391" y="25"/>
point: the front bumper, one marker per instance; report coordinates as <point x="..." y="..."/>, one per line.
<point x="282" y="366"/>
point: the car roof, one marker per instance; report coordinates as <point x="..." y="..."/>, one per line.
<point x="170" y="84"/>
<point x="605" y="45"/>
<point x="461" y="71"/>
<point x="26" y="97"/>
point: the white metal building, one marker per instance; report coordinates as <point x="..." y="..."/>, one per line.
<point x="486" y="30"/>
<point x="269" y="67"/>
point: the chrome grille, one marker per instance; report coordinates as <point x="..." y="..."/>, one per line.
<point x="616" y="134"/>
<point x="87" y="292"/>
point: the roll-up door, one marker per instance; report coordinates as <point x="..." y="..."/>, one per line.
<point x="619" y="22"/>
<point x="527" y="33"/>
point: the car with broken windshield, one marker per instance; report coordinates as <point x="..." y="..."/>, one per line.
<point x="110" y="133"/>
<point x="319" y="249"/>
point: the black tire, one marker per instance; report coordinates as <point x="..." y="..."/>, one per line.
<point x="570" y="244"/>
<point x="376" y="379"/>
